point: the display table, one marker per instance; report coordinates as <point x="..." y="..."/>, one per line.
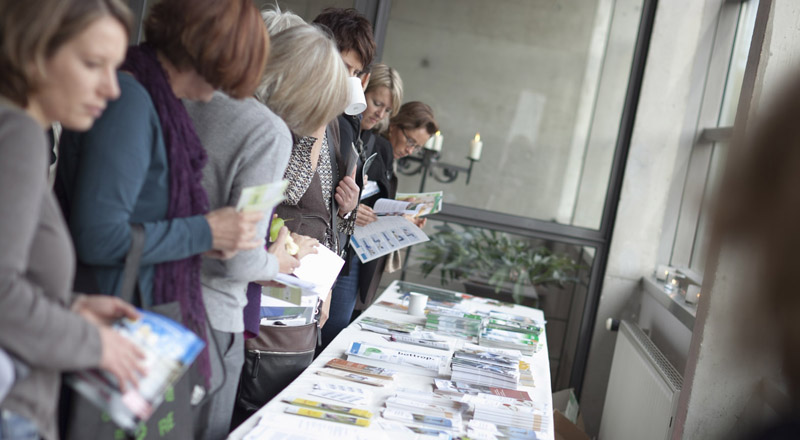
<point x="305" y="427"/>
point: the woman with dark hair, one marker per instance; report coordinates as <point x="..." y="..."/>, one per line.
<point x="409" y="129"/>
<point x="143" y="163"/>
<point x="58" y="66"/>
<point x="384" y="95"/>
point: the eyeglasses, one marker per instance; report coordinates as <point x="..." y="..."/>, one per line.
<point x="410" y="142"/>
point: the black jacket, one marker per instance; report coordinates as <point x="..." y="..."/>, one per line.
<point x="381" y="171"/>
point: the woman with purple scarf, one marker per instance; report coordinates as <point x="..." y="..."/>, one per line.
<point x="142" y="163"/>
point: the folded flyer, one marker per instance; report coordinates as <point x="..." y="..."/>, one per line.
<point x="262" y="197"/>
<point x="169" y="349"/>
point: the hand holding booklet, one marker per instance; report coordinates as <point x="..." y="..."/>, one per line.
<point x="169" y="350"/>
<point x="413" y="204"/>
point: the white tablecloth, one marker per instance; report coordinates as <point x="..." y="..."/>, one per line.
<point x="274" y="410"/>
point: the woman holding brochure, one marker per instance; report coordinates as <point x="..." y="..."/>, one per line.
<point x="56" y="66"/>
<point x="142" y="163"/>
<point x="249" y="144"/>
<point x="409" y="129"/>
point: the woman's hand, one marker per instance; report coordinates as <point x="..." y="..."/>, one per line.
<point x="103" y="309"/>
<point x="325" y="309"/>
<point x="418" y="221"/>
<point x="121" y="357"/>
<point x="347" y="194"/>
<point x="286" y="263"/>
<point x="234" y="231"/>
<point x="307" y="245"/>
<point x="365" y="215"/>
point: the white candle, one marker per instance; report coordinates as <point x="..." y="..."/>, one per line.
<point x="438" y="139"/>
<point x="429" y="145"/>
<point x="475" y="147"/>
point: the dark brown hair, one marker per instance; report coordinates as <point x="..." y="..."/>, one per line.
<point x="758" y="209"/>
<point x="31" y="32"/>
<point x="225" y="41"/>
<point x="351" y="30"/>
<point x="415" y="114"/>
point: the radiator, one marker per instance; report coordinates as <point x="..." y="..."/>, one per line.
<point x="643" y="390"/>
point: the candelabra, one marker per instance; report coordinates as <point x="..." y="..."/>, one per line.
<point x="428" y="165"/>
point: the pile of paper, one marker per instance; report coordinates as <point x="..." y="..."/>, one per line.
<point x="501" y="330"/>
<point x="461" y="325"/>
<point x="480" y="366"/>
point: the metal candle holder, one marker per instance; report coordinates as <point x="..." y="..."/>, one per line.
<point x="428" y="165"/>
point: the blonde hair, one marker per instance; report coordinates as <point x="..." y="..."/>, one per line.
<point x="305" y="82"/>
<point x="382" y="75"/>
<point x="277" y="20"/>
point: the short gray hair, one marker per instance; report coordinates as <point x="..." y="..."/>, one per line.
<point x="277" y="20"/>
<point x="305" y="81"/>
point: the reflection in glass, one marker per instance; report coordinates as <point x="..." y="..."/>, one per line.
<point x="542" y="82"/>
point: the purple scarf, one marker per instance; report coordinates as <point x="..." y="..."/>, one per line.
<point x="177" y="280"/>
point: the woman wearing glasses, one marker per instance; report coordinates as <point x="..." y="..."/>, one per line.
<point x="409" y="129"/>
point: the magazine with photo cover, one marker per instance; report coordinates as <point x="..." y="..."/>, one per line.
<point x="169" y="349"/>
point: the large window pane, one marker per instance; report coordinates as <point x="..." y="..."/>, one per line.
<point x="544" y="84"/>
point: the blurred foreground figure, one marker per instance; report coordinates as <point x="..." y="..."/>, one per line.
<point x="759" y="213"/>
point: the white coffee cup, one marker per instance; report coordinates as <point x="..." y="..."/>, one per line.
<point x="417" y="303"/>
<point x="356" y="101"/>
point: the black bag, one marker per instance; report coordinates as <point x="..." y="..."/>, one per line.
<point x="272" y="360"/>
<point x="174" y="418"/>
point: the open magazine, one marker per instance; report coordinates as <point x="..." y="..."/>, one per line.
<point x="169" y="348"/>
<point x="413" y="204"/>
<point x="384" y="236"/>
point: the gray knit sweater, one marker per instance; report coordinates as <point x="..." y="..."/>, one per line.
<point x="247" y="145"/>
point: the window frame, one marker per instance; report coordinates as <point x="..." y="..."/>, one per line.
<point x="683" y="223"/>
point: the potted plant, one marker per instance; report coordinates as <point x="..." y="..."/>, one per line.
<point x="502" y="262"/>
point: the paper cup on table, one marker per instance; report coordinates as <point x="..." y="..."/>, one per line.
<point x="417" y="303"/>
<point x="356" y="101"/>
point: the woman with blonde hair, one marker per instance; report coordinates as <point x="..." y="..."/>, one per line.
<point x="384" y="95"/>
<point x="54" y="66"/>
<point x="249" y="144"/>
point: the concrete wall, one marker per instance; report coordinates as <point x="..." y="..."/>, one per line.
<point x="525" y="74"/>
<point x="662" y="138"/>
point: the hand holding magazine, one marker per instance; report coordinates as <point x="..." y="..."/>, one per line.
<point x="169" y="349"/>
<point x="413" y="204"/>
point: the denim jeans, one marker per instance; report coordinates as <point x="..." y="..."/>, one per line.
<point x="343" y="301"/>
<point x="15" y="427"/>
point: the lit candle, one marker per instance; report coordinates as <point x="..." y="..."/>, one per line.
<point x="429" y="144"/>
<point x="438" y="139"/>
<point x="475" y="147"/>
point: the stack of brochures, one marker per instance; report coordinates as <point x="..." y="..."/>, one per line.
<point x="326" y="411"/>
<point x="385" y="326"/>
<point x="272" y="315"/>
<point x="461" y="325"/>
<point x="366" y="370"/>
<point x="508" y="413"/>
<point x="169" y="350"/>
<point x="358" y="373"/>
<point x="490" y="367"/>
<point x="396" y="359"/>
<point x="508" y="331"/>
<point x="426" y="410"/>
<point x="452" y="388"/>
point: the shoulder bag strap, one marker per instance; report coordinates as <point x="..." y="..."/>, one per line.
<point x="130" y="276"/>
